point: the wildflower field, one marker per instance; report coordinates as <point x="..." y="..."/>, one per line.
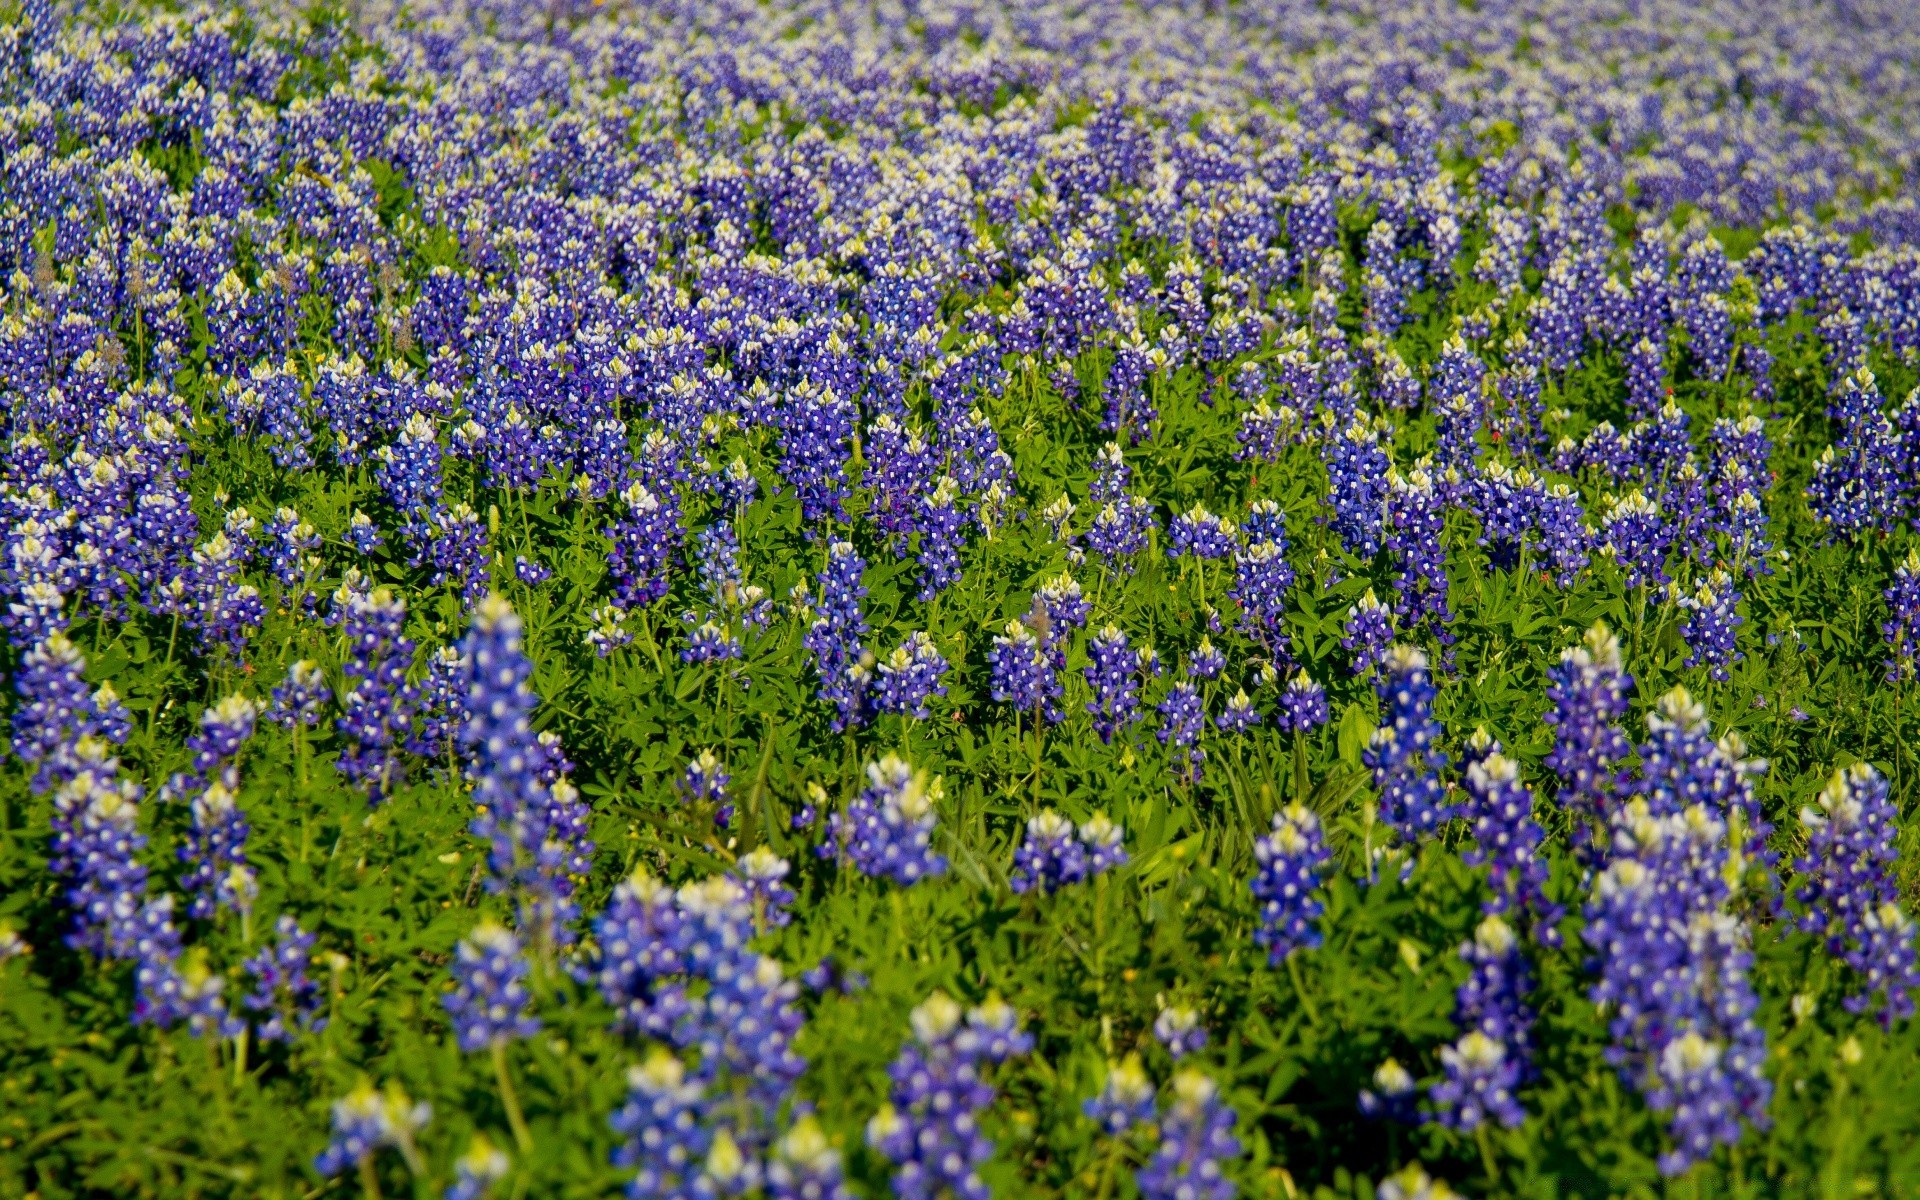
<point x="810" y="599"/>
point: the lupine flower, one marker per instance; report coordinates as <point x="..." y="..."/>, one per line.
<point x="1402" y="754"/>
<point x="888" y="828"/>
<point x="366" y="1121"/>
<point x="1113" y="676"/>
<point x="805" y="1166"/>
<point x="1103" y="839"/>
<point x="835" y="637"/>
<point x="1851" y="894"/>
<point x="910" y="677"/>
<point x="284" y="995"/>
<point x="476" y="1171"/>
<point x="1024" y="676"/>
<point x="1637" y="538"/>
<point x="378" y="706"/>
<point x="300" y="700"/>
<point x="1262" y="578"/>
<point x="1507" y="842"/>
<point x="644" y="539"/>
<point x="1303" y="705"/>
<point x="1393" y="1096"/>
<point x="1588" y="688"/>
<point x="1485" y="1066"/>
<point x="607" y="631"/>
<point x="1674" y="973"/>
<point x="1413" y="1183"/>
<point x="1050" y="857"/>
<point x="1201" y="534"/>
<point x="1416" y="519"/>
<point x="763" y="874"/>
<point x="532" y="820"/>
<point x="1239" y="715"/>
<point x="930" y="1126"/>
<point x="1182" y="719"/>
<point x="1196" y="1138"/>
<point x="1369" y="631"/>
<point x="1125" y="1099"/>
<point x="1291" y="859"/>
<point x="1710" y="624"/>
<point x="666" y="1137"/>
<point x="1178" y="1028"/>
<point x="1206" y="662"/>
<point x="1902" y="629"/>
<point x="490" y="1003"/>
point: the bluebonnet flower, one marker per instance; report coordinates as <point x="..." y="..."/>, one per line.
<point x="1588" y="688"/>
<point x="1674" y="976"/>
<point x="942" y="527"/>
<point x="930" y="1126"/>
<point x="476" y="1171"/>
<point x="711" y="642"/>
<point x="1415" y="521"/>
<point x="1490" y="1061"/>
<point x="1637" y="538"/>
<point x="1303" y="705"/>
<point x="1120" y="529"/>
<point x="1050" y="858"/>
<point x="836" y="633"/>
<point x="645" y="540"/>
<point x="1206" y="662"/>
<point x="1262" y="578"/>
<point x="1856" y="481"/>
<point x="532" y="820"/>
<point x="530" y="571"/>
<point x="1710" y="623"/>
<point x="284" y="998"/>
<point x="1103" y="837"/>
<point x="1125" y="1100"/>
<point x="441" y="700"/>
<point x="364" y="534"/>
<point x="1851" y="894"/>
<point x="96" y="840"/>
<point x="292" y="543"/>
<point x="1113" y="677"/>
<point x="216" y="851"/>
<point x="1178" y="1028"/>
<point x="366" y="1121"/>
<point x="805" y="1166"/>
<point x="607" y="630"/>
<point x="377" y="709"/>
<point x="1902" y="629"/>
<point x="1023" y="674"/>
<point x="1183" y="717"/>
<point x="490" y="1002"/>
<point x="56" y="710"/>
<point x="1393" y="1096"/>
<point x="666" y="1136"/>
<point x="1369" y="631"/>
<point x="1291" y="859"/>
<point x="1239" y="715"/>
<point x="910" y="677"/>
<point x="1357" y="470"/>
<point x="763" y="874"/>
<point x="1413" y="1183"/>
<point x="705" y="780"/>
<point x="298" y="702"/>
<point x="1506" y="840"/>
<point x="1403" y="755"/>
<point x="1196" y="1138"/>
<point x="1201" y="534"/>
<point x="888" y="828"/>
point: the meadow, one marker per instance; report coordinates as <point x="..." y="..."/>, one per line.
<point x="813" y="600"/>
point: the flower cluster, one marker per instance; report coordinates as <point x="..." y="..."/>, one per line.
<point x="887" y="831"/>
<point x="1850" y="893"/>
<point x="930" y="1126"/>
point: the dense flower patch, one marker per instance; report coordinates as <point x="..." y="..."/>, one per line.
<point x="824" y="600"/>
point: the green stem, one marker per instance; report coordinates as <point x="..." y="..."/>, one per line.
<point x="1486" y="1153"/>
<point x="369" y="1178"/>
<point x="1300" y="990"/>
<point x="522" y="1137"/>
